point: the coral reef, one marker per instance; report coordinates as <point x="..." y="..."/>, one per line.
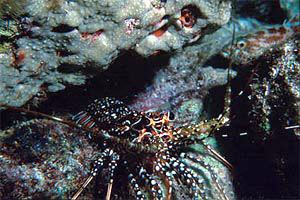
<point x="52" y="51"/>
<point x="43" y="159"/>
<point x="69" y="41"/>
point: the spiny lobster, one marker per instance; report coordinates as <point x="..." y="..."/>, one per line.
<point x="148" y="149"/>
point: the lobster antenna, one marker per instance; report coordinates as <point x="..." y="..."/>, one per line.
<point x="292" y="127"/>
<point x="227" y="102"/>
<point x="75" y="196"/>
<point x="218" y="156"/>
<point x="128" y="144"/>
<point x="228" y="85"/>
<point x="108" y="193"/>
<point x="68" y="122"/>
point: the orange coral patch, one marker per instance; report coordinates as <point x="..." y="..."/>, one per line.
<point x="20" y="57"/>
<point x="159" y="32"/>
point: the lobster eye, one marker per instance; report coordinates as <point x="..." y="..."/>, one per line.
<point x="171" y="116"/>
<point x="241" y="44"/>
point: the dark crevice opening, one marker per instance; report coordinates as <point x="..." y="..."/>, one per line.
<point x="63" y="28"/>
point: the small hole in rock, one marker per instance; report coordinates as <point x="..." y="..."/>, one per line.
<point x="63" y="28"/>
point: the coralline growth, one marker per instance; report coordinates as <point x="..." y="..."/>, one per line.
<point x="48" y="45"/>
<point x="66" y="40"/>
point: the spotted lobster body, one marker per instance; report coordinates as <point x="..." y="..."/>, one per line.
<point x="116" y="118"/>
<point x="148" y="150"/>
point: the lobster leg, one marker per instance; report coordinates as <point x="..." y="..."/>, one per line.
<point x="111" y="168"/>
<point x="99" y="165"/>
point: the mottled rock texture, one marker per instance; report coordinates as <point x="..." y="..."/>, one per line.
<point x="66" y="42"/>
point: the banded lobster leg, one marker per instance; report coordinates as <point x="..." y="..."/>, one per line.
<point x="189" y="177"/>
<point x="155" y="189"/>
<point x="172" y="170"/>
<point x="150" y="185"/>
<point x="163" y="169"/>
<point x="134" y="185"/>
<point x="195" y="162"/>
<point x="107" y="155"/>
